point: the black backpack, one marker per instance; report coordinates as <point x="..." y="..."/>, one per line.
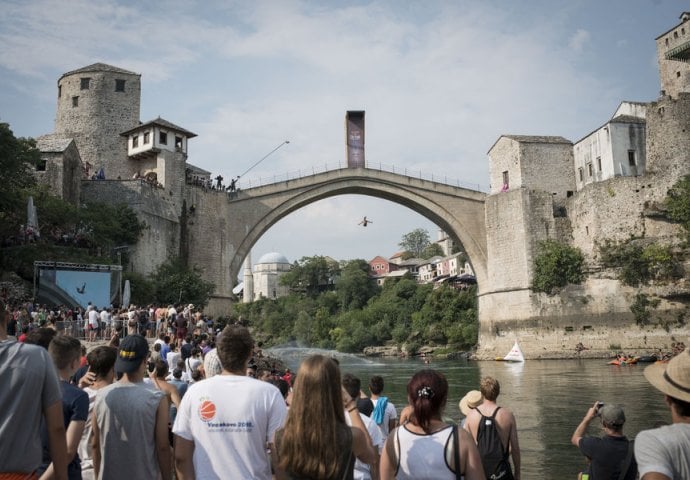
<point x="494" y="456"/>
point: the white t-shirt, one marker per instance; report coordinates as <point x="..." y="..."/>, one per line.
<point x="105" y="317"/>
<point x="362" y="470"/>
<point x="230" y="419"/>
<point x="390" y="414"/>
<point x="664" y="450"/>
<point x="94" y="318"/>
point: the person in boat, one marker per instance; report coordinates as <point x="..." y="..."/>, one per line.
<point x="481" y="422"/>
<point x="611" y="455"/>
<point x="426" y="446"/>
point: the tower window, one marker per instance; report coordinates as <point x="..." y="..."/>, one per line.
<point x="163" y="138"/>
<point x="631" y="158"/>
<point x="146" y="138"/>
<point x="41" y="165"/>
<point x="506" y="180"/>
<point x="135" y="141"/>
<point x="599" y="164"/>
<point x="85" y="83"/>
<point x="667" y="42"/>
<point x="581" y="174"/>
<point x="119" y="85"/>
<point x="59" y="91"/>
<point x="589" y="169"/>
<point x="75" y="101"/>
<point x="178" y="143"/>
<point x="677" y="74"/>
<point x="675" y="34"/>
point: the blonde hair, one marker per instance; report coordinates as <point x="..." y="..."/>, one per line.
<point x="308" y="445"/>
<point x="490" y="388"/>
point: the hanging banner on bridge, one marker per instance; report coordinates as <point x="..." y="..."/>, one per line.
<point x="354" y="125"/>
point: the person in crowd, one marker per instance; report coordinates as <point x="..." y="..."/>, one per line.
<point x="66" y="353"/>
<point x="130" y="421"/>
<point x="384" y="413"/>
<point x="426" y="446"/>
<point x="282" y="385"/>
<point x="156" y="354"/>
<point x="158" y="381"/>
<point x="316" y="441"/>
<point x="469" y="402"/>
<point x="181" y="387"/>
<point x="101" y="361"/>
<point x="41" y="337"/>
<point x="93" y="323"/>
<point x="194" y="361"/>
<point x="664" y="453"/>
<point x="24" y="400"/>
<point x="611" y="456"/>
<point x="494" y="429"/>
<point x="204" y="445"/>
<point x="362" y="471"/>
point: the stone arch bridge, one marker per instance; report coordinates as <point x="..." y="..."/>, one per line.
<point x="222" y="231"/>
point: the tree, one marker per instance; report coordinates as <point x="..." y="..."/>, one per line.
<point x="17" y="157"/>
<point x="175" y="283"/>
<point x="354" y="287"/>
<point x="432" y="250"/>
<point x="311" y="275"/>
<point x="415" y="241"/>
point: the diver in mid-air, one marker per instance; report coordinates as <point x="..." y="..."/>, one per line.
<point x="365" y="222"/>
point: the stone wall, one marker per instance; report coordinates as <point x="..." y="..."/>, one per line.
<point x="674" y="75"/>
<point x="160" y="239"/>
<point x="548" y="167"/>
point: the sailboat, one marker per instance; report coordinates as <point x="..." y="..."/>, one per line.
<point x="515" y="354"/>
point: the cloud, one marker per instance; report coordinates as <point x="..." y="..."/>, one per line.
<point x="439" y="84"/>
<point x="579" y="40"/>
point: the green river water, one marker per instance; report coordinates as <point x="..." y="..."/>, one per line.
<point x="548" y="397"/>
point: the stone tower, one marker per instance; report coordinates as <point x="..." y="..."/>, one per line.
<point x="673" y="52"/>
<point x="95" y="105"/>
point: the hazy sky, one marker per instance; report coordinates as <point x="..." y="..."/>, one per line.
<point x="440" y="81"/>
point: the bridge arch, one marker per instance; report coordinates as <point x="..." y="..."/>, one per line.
<point x="458" y="211"/>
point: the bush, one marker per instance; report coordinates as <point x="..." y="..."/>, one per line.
<point x="557" y="265"/>
<point x="641" y="308"/>
<point x="639" y="264"/>
<point x="678" y="203"/>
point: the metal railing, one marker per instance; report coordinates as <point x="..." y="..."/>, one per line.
<point x="261" y="181"/>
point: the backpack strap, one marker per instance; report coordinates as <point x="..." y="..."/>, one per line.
<point x="456" y="452"/>
<point x="625" y="466"/>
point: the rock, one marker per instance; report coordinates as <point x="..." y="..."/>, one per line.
<point x="389" y="351"/>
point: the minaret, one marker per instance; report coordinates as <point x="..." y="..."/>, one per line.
<point x="248" y="294"/>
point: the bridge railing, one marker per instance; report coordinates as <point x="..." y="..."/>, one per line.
<point x="261" y="181"/>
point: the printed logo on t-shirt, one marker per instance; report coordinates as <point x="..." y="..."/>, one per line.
<point x="207" y="410"/>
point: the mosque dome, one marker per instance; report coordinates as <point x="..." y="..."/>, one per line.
<point x="273" y="257"/>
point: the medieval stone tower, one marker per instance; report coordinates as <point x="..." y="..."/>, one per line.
<point x="673" y="52"/>
<point x="95" y="105"/>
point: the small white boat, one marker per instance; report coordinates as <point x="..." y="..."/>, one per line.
<point x="515" y="354"/>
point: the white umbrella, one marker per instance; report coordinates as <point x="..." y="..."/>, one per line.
<point x="32" y="218"/>
<point x="126" y="296"/>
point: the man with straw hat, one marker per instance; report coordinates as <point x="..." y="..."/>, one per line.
<point x="664" y="453"/>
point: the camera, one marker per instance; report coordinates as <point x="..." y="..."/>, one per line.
<point x="598" y="407"/>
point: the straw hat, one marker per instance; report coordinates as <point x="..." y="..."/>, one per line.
<point x="471" y="400"/>
<point x="672" y="378"/>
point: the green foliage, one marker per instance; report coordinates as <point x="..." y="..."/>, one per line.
<point x="173" y="282"/>
<point x="678" y="203"/>
<point x="311" y="275"/>
<point x="639" y="264"/>
<point x="415" y="241"/>
<point x="557" y="265"/>
<point x="358" y="314"/>
<point x="142" y="288"/>
<point x="355" y="288"/>
<point x="641" y="308"/>
<point x="17" y="157"/>
<point x="432" y="250"/>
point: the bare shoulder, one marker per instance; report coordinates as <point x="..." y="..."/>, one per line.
<point x="505" y="415"/>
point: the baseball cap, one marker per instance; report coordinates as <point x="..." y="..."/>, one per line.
<point x="133" y="350"/>
<point x="612" y="415"/>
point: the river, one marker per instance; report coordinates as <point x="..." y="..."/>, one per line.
<point x="548" y="397"/>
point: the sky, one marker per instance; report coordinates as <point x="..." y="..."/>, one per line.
<point x="440" y="81"/>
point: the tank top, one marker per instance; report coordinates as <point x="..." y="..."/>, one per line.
<point x="424" y="456"/>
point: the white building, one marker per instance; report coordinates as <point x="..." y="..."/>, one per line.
<point x="616" y="149"/>
<point x="267" y="273"/>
